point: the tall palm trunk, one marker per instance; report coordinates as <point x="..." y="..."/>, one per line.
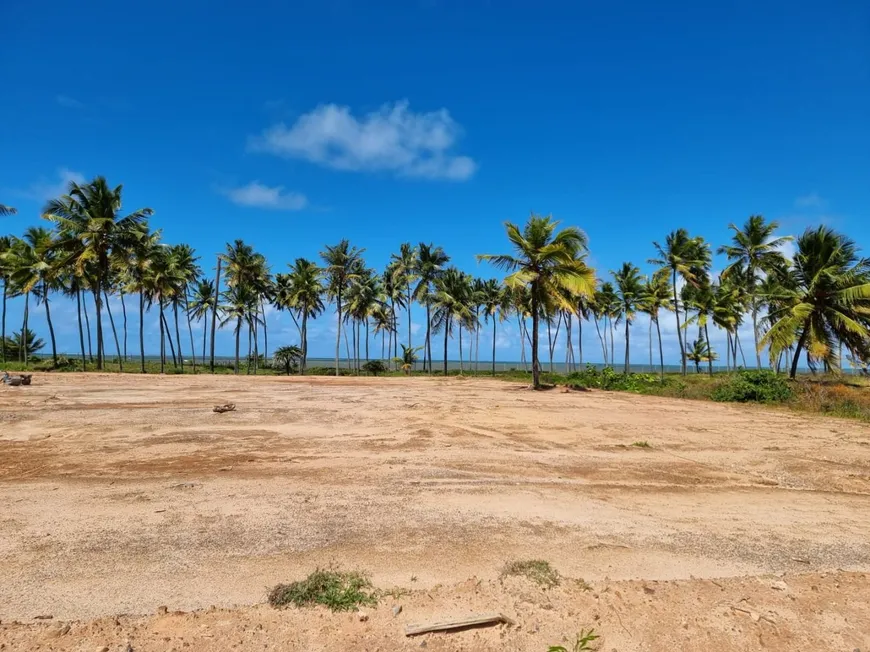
<point x="256" y="346"/>
<point x="25" y="341"/>
<point x="709" y="350"/>
<point x="142" y="330"/>
<point x="88" y="325"/>
<point x="428" y="335"/>
<point x="493" y="344"/>
<point x="238" y="335"/>
<point x="98" y="304"/>
<point x="168" y="336"/>
<point x="601" y="339"/>
<point x="446" y="331"/>
<point x="536" y="367"/>
<point x="476" y="342"/>
<point x="409" y="314"/>
<point x="265" y="331"/>
<point x="569" y="343"/>
<point x="800" y="345"/>
<point x="460" y="348"/>
<point x="367" y="340"/>
<point x="124" y="312"/>
<point x="217" y="294"/>
<point x="612" y="342"/>
<point x="204" y="342"/>
<point x="3" y="336"/>
<point x="679" y="331"/>
<point x="304" y="342"/>
<point x="162" y="338"/>
<point x="520" y="322"/>
<point x="661" y="350"/>
<point x="114" y="332"/>
<point x="189" y="329"/>
<point x="650" y="344"/>
<point x="338" y="332"/>
<point x="579" y="342"/>
<point x="50" y="325"/>
<point x="627" y="331"/>
<point x="550" y="341"/>
<point x="177" y="332"/>
<point x="755" y="334"/>
<point x="81" y="330"/>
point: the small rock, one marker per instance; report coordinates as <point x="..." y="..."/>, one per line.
<point x="363" y="616"/>
<point x="162" y="610"/>
<point x="648" y="590"/>
<point x="105" y="648"/>
<point x="397" y="610"/>
<point x="779" y="586"/>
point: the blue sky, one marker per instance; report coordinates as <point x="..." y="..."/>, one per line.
<point x="293" y="125"/>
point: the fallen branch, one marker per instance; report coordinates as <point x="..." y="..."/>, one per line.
<point x="226" y="407"/>
<point x="462" y="623"/>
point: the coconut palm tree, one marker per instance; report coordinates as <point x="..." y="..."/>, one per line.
<point x="450" y="301"/>
<point x="23" y="346"/>
<point x="608" y="307"/>
<point x="203" y="302"/>
<point x="629" y="285"/>
<point x="830" y="301"/>
<point x="136" y="278"/>
<point x="5" y="246"/>
<point x="32" y="265"/>
<point x="703" y="301"/>
<point x="545" y="261"/>
<point x="288" y="356"/>
<point x="90" y="227"/>
<point x="240" y="304"/>
<point x="756" y="250"/>
<point x="186" y="271"/>
<point x="301" y="292"/>
<point x="431" y="261"/>
<point x="340" y="269"/>
<point x="405" y="273"/>
<point x="408" y="358"/>
<point x="496" y="304"/>
<point x="700" y="352"/>
<point x="686" y="257"/>
<point x="7" y="210"/>
<point x="655" y="297"/>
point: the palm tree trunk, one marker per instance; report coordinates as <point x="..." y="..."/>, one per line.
<point x="797" y="354"/>
<point x="755" y="334"/>
<point x="168" y="336"/>
<point x="338" y="332"/>
<point x="124" y="311"/>
<point x="142" y="330"/>
<point x="98" y="303"/>
<point x="612" y="342"/>
<point x="265" y="331"/>
<point x="256" y="345"/>
<point x="579" y="342"/>
<point x="217" y="294"/>
<point x="569" y="344"/>
<point x="428" y="336"/>
<point x="493" y="344"/>
<point x="477" y="341"/>
<point x="601" y="339"/>
<point x="460" y="348"/>
<point x="81" y="330"/>
<point x="88" y="324"/>
<point x="627" y="330"/>
<point x="367" y="340"/>
<point x="709" y="350"/>
<point x="178" y="333"/>
<point x="446" y="331"/>
<point x="550" y="341"/>
<point x="742" y="355"/>
<point x="162" y="339"/>
<point x="679" y="332"/>
<point x="536" y="370"/>
<point x="248" y="364"/>
<point x="50" y="325"/>
<point x="189" y="329"/>
<point x="114" y="332"/>
<point x="3" y="337"/>
<point x="238" y="335"/>
<point x="409" y="313"/>
<point x="522" y="340"/>
<point x="204" y="342"/>
<point x="304" y="342"/>
<point x="350" y="361"/>
<point x="25" y="341"/>
<point x="661" y="350"/>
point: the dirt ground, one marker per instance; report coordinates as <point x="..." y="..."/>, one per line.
<point x="738" y="528"/>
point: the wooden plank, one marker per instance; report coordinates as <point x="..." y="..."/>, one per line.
<point x="469" y="621"/>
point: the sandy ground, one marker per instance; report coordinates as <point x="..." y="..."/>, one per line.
<point x="739" y="529"/>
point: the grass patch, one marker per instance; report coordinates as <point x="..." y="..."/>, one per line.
<point x="337" y="590"/>
<point x="641" y="444"/>
<point x="537" y="570"/>
<point x="583" y="642"/>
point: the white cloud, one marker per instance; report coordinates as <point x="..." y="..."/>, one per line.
<point x="261" y="196"/>
<point x="68" y="102"/>
<point x="43" y="190"/>
<point x="393" y="139"/>
<point x="811" y="200"/>
<point x="788" y="249"/>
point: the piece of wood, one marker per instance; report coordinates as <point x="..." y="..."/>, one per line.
<point x="460" y="623"/>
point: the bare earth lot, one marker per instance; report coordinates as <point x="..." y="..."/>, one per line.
<point x="739" y="529"/>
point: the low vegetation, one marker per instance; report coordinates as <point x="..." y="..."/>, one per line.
<point x="641" y="444"/>
<point x="583" y="642"/>
<point x="755" y="386"/>
<point x="337" y="590"/>
<point x="537" y="570"/>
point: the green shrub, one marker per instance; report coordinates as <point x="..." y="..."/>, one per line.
<point x="610" y="380"/>
<point x="757" y="386"/>
<point x="337" y="590"/>
<point x="375" y="367"/>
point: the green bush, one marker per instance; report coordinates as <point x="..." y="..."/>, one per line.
<point x="610" y="380"/>
<point x="375" y="367"/>
<point x="754" y="386"/>
<point x="337" y="590"/>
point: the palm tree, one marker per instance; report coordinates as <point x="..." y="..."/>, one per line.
<point x="686" y="257"/>
<point x="655" y="297"/>
<point x="33" y="269"/>
<point x="703" y="300"/>
<point x="137" y="278"/>
<point x="405" y="273"/>
<point x="630" y="290"/>
<point x="757" y="252"/>
<point x="451" y="303"/>
<point x="408" y="358"/>
<point x="608" y="306"/>
<point x="186" y="271"/>
<point x="5" y="246"/>
<point x="546" y="262"/>
<point x="240" y="303"/>
<point x="301" y="292"/>
<point x="829" y="303"/>
<point x="430" y="264"/>
<point x="204" y="301"/>
<point x="341" y="261"/>
<point x="289" y="356"/>
<point x="495" y="302"/>
<point x="23" y="344"/>
<point x="700" y="352"/>
<point x="7" y="210"/>
<point x="90" y="229"/>
<point x="245" y="267"/>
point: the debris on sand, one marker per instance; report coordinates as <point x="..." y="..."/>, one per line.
<point x="226" y="407"/>
<point x="460" y="623"/>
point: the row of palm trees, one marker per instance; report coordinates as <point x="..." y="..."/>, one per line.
<point x="819" y="302"/>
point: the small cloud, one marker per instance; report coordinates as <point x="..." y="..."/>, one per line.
<point x="68" y="102"/>
<point x="393" y="139"/>
<point x="257" y="195"/>
<point x="43" y="190"/>
<point x="812" y="200"/>
<point x="788" y="249"/>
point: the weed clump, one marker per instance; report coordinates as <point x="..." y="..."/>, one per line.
<point x="608" y="379"/>
<point x="754" y="386"/>
<point x="537" y="570"/>
<point x="337" y="590"/>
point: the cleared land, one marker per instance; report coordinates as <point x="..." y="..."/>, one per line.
<point x="737" y="528"/>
